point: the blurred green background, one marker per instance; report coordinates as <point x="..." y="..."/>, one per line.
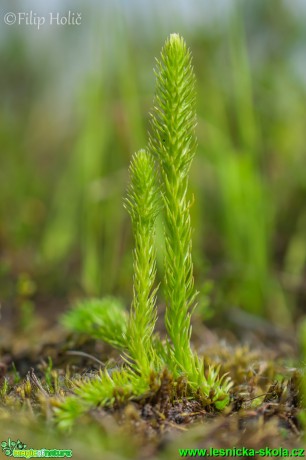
<point x="74" y="108"/>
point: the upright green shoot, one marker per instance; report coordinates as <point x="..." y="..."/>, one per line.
<point x="142" y="205"/>
<point x="172" y="140"/>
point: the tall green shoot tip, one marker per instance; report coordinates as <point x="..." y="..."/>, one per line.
<point x="172" y="140"/>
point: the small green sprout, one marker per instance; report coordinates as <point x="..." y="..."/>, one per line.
<point x="103" y="319"/>
<point x="105" y="390"/>
<point x="4" y="388"/>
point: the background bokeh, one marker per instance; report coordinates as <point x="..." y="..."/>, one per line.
<point x="74" y="107"/>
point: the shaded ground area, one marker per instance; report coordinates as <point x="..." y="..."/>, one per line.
<point x="264" y="408"/>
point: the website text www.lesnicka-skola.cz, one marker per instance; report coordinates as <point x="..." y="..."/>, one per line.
<point x="243" y="452"/>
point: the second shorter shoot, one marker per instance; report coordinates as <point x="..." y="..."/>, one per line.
<point x="142" y="205"/>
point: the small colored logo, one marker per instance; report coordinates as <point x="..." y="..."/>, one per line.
<point x="18" y="449"/>
<point x="9" y="446"/>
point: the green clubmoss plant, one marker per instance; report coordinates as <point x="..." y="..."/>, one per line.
<point x="108" y="388"/>
<point x="142" y="204"/>
<point x="172" y="140"/>
<point x="103" y="319"/>
<point x="171" y="146"/>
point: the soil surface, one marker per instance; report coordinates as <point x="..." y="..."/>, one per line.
<point x="39" y="367"/>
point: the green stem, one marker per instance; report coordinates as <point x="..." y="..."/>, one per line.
<point x="173" y="142"/>
<point x="142" y="204"/>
